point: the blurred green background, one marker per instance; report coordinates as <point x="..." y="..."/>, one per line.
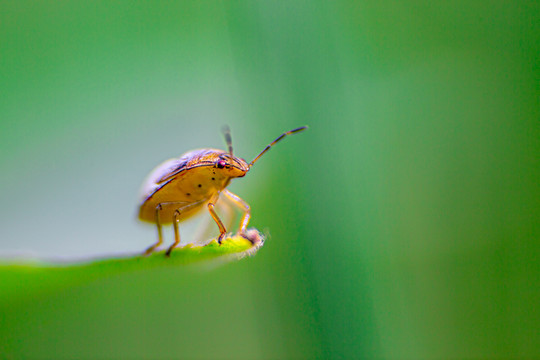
<point x="404" y="224"/>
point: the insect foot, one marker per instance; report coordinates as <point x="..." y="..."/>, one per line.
<point x="221" y="237"/>
<point x="149" y="250"/>
<point x="168" y="252"/>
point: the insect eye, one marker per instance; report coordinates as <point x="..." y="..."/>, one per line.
<point x="221" y="164"/>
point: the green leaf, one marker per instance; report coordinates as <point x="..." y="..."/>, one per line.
<point x="23" y="279"/>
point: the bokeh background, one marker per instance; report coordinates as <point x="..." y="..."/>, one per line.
<point x="404" y="224"/>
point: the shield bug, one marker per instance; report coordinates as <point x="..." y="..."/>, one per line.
<point x="182" y="187"/>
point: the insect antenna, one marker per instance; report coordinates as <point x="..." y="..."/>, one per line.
<point x="227" y="134"/>
<point x="276" y="141"/>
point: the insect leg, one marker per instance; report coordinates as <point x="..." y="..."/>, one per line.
<point x="160" y="232"/>
<point x="216" y="218"/>
<point x="235" y="199"/>
<point x="176" y="220"/>
<point x="205" y="229"/>
<point x="159" y="208"/>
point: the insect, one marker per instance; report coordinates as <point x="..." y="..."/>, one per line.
<point x="182" y="187"/>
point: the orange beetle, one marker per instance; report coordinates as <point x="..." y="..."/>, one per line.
<point x="181" y="187"/>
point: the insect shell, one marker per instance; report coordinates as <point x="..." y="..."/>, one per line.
<point x="182" y="187"/>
